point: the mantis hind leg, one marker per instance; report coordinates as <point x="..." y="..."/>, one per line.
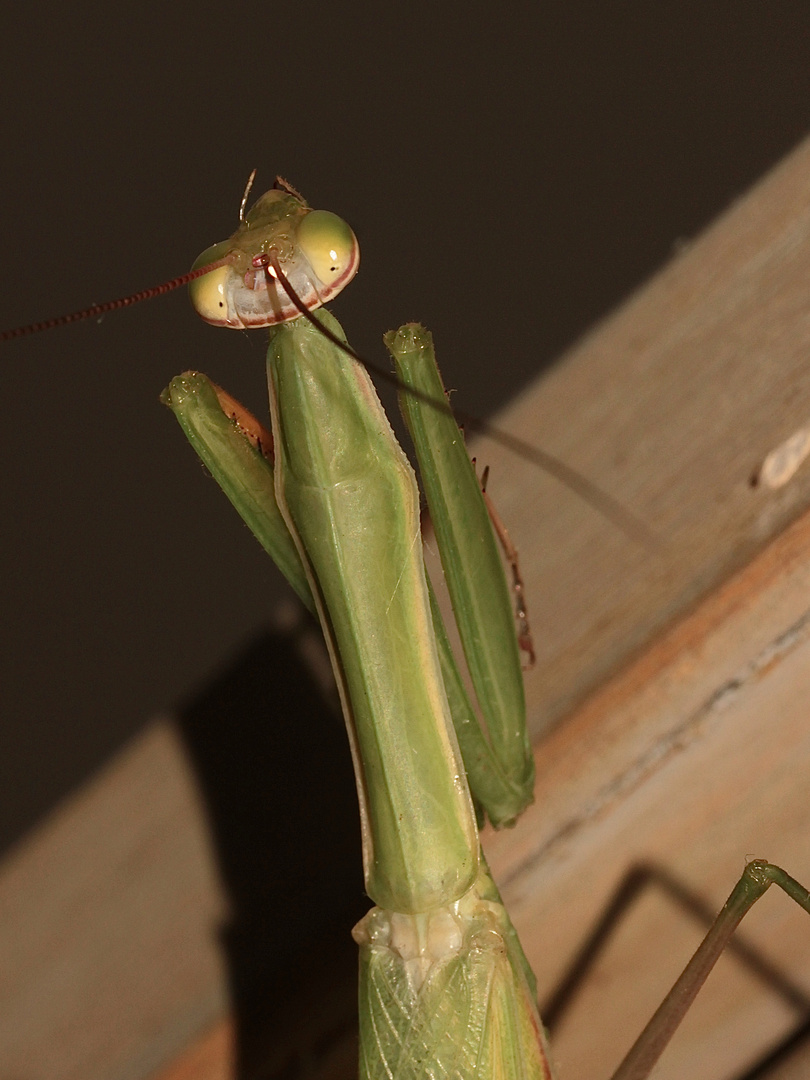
<point x="756" y="879"/>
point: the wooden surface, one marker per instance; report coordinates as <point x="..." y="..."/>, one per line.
<point x="692" y="757"/>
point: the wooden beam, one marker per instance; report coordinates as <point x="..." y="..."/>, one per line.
<point x="693" y="760"/>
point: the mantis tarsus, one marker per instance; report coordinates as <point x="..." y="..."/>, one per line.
<point x="445" y="987"/>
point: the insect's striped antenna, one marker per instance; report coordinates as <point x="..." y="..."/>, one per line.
<point x="594" y="496"/>
<point x="110" y="305"/>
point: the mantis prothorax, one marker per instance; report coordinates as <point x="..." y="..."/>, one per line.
<point x="444" y="987"/>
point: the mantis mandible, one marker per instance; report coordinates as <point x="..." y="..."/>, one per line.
<point x="444" y="983"/>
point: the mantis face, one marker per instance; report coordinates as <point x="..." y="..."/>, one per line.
<point x="316" y="249"/>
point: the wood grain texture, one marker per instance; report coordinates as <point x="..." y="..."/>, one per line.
<point x="694" y="754"/>
<point x="694" y="759"/>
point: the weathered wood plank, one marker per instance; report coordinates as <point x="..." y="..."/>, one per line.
<point x="694" y="759"/>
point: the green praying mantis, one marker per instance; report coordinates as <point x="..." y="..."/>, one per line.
<point x="444" y="986"/>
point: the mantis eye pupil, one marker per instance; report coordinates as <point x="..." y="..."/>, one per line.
<point x="208" y="293"/>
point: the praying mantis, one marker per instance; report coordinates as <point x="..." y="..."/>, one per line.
<point x="412" y="939"/>
<point x="405" y="956"/>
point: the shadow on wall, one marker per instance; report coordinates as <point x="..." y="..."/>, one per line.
<point x="271" y="755"/>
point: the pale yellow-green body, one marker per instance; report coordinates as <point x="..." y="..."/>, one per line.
<point x="444" y="986"/>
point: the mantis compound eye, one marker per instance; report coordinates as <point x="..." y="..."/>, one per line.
<point x="329" y="246"/>
<point x="208" y="293"/>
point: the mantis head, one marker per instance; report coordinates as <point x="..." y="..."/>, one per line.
<point x="316" y="250"/>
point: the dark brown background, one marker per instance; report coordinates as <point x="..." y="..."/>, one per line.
<point x="510" y="180"/>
